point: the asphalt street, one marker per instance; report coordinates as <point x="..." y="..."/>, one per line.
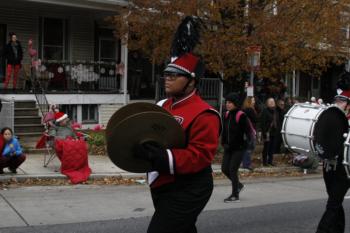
<point x="299" y="217"/>
<point x="266" y="207"/>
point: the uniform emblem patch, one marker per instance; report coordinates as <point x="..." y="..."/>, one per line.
<point x="179" y="119"/>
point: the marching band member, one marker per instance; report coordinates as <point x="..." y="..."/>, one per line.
<point x="334" y="174"/>
<point x="181" y="181"/>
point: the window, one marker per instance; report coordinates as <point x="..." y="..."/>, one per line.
<point x="53" y="39"/>
<point x="90" y="113"/>
<point x="108" y="50"/>
<point x="70" y="110"/>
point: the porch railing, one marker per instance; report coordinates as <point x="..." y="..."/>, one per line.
<point x="77" y="76"/>
<point x="7" y="114"/>
<point x="209" y="89"/>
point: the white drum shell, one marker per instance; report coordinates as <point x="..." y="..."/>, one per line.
<point x="298" y="128"/>
<point x="347" y="155"/>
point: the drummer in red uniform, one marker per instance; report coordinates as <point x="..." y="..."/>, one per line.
<point x="181" y="181"/>
<point x="334" y="174"/>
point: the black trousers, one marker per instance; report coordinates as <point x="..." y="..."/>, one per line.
<point x="230" y="164"/>
<point x="337" y="184"/>
<point x="178" y="205"/>
<point x="269" y="150"/>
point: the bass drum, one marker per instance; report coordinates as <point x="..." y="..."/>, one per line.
<point x="315" y="130"/>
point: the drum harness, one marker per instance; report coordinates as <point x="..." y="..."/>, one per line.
<point x="328" y="164"/>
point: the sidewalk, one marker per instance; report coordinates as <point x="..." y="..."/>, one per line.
<point x="101" y="167"/>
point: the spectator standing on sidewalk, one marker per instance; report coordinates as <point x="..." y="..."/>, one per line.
<point x="281" y="111"/>
<point x="269" y="126"/>
<point x="13" y="54"/>
<point x="12" y="155"/>
<point x="250" y="111"/>
<point x="237" y="137"/>
<point x="135" y="74"/>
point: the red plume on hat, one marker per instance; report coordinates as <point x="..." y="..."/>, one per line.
<point x="343" y="87"/>
<point x="183" y="61"/>
<point x="60" y="116"/>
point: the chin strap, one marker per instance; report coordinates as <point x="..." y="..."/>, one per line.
<point x="182" y="93"/>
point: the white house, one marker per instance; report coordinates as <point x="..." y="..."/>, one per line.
<point x="78" y="50"/>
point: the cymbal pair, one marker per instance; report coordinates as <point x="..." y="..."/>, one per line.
<point x="137" y="123"/>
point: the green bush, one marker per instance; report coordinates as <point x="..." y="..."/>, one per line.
<point x="97" y="138"/>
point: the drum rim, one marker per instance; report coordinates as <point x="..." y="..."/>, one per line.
<point x="345" y="161"/>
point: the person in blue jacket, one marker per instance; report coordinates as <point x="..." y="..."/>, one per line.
<point x="12" y="155"/>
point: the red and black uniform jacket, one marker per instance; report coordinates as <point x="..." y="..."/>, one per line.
<point x="202" y="126"/>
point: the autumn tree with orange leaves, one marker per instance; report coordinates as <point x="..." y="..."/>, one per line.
<point x="294" y="35"/>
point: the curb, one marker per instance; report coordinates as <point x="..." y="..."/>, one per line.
<point x="254" y="180"/>
<point x="4" y="178"/>
<point x="126" y="175"/>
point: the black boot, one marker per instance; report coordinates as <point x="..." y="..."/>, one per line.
<point x="13" y="170"/>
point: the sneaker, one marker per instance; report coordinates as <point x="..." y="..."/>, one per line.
<point x="231" y="199"/>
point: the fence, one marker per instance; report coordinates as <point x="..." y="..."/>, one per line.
<point x="7" y="114"/>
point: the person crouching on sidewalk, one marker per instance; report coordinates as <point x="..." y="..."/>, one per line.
<point x="12" y="155"/>
<point x="237" y="137"/>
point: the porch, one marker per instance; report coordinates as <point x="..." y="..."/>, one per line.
<point x="76" y="48"/>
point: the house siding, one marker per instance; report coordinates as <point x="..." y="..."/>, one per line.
<point x="24" y="20"/>
<point x="106" y="111"/>
<point x="23" y="23"/>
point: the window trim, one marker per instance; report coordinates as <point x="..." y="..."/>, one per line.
<point x="89" y="120"/>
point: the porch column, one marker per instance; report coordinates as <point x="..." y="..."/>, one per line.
<point x="124" y="79"/>
<point x="293" y="85"/>
<point x="221" y="92"/>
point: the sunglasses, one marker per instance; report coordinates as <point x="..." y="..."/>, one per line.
<point x="172" y="76"/>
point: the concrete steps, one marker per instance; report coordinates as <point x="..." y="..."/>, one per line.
<point x="25" y="104"/>
<point x="24" y="128"/>
<point x="26" y="112"/>
<point x="19" y="120"/>
<point x="28" y="127"/>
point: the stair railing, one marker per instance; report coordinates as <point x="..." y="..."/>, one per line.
<point x="39" y="93"/>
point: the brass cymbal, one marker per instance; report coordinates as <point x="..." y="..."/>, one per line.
<point x="129" y="110"/>
<point x="138" y="128"/>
